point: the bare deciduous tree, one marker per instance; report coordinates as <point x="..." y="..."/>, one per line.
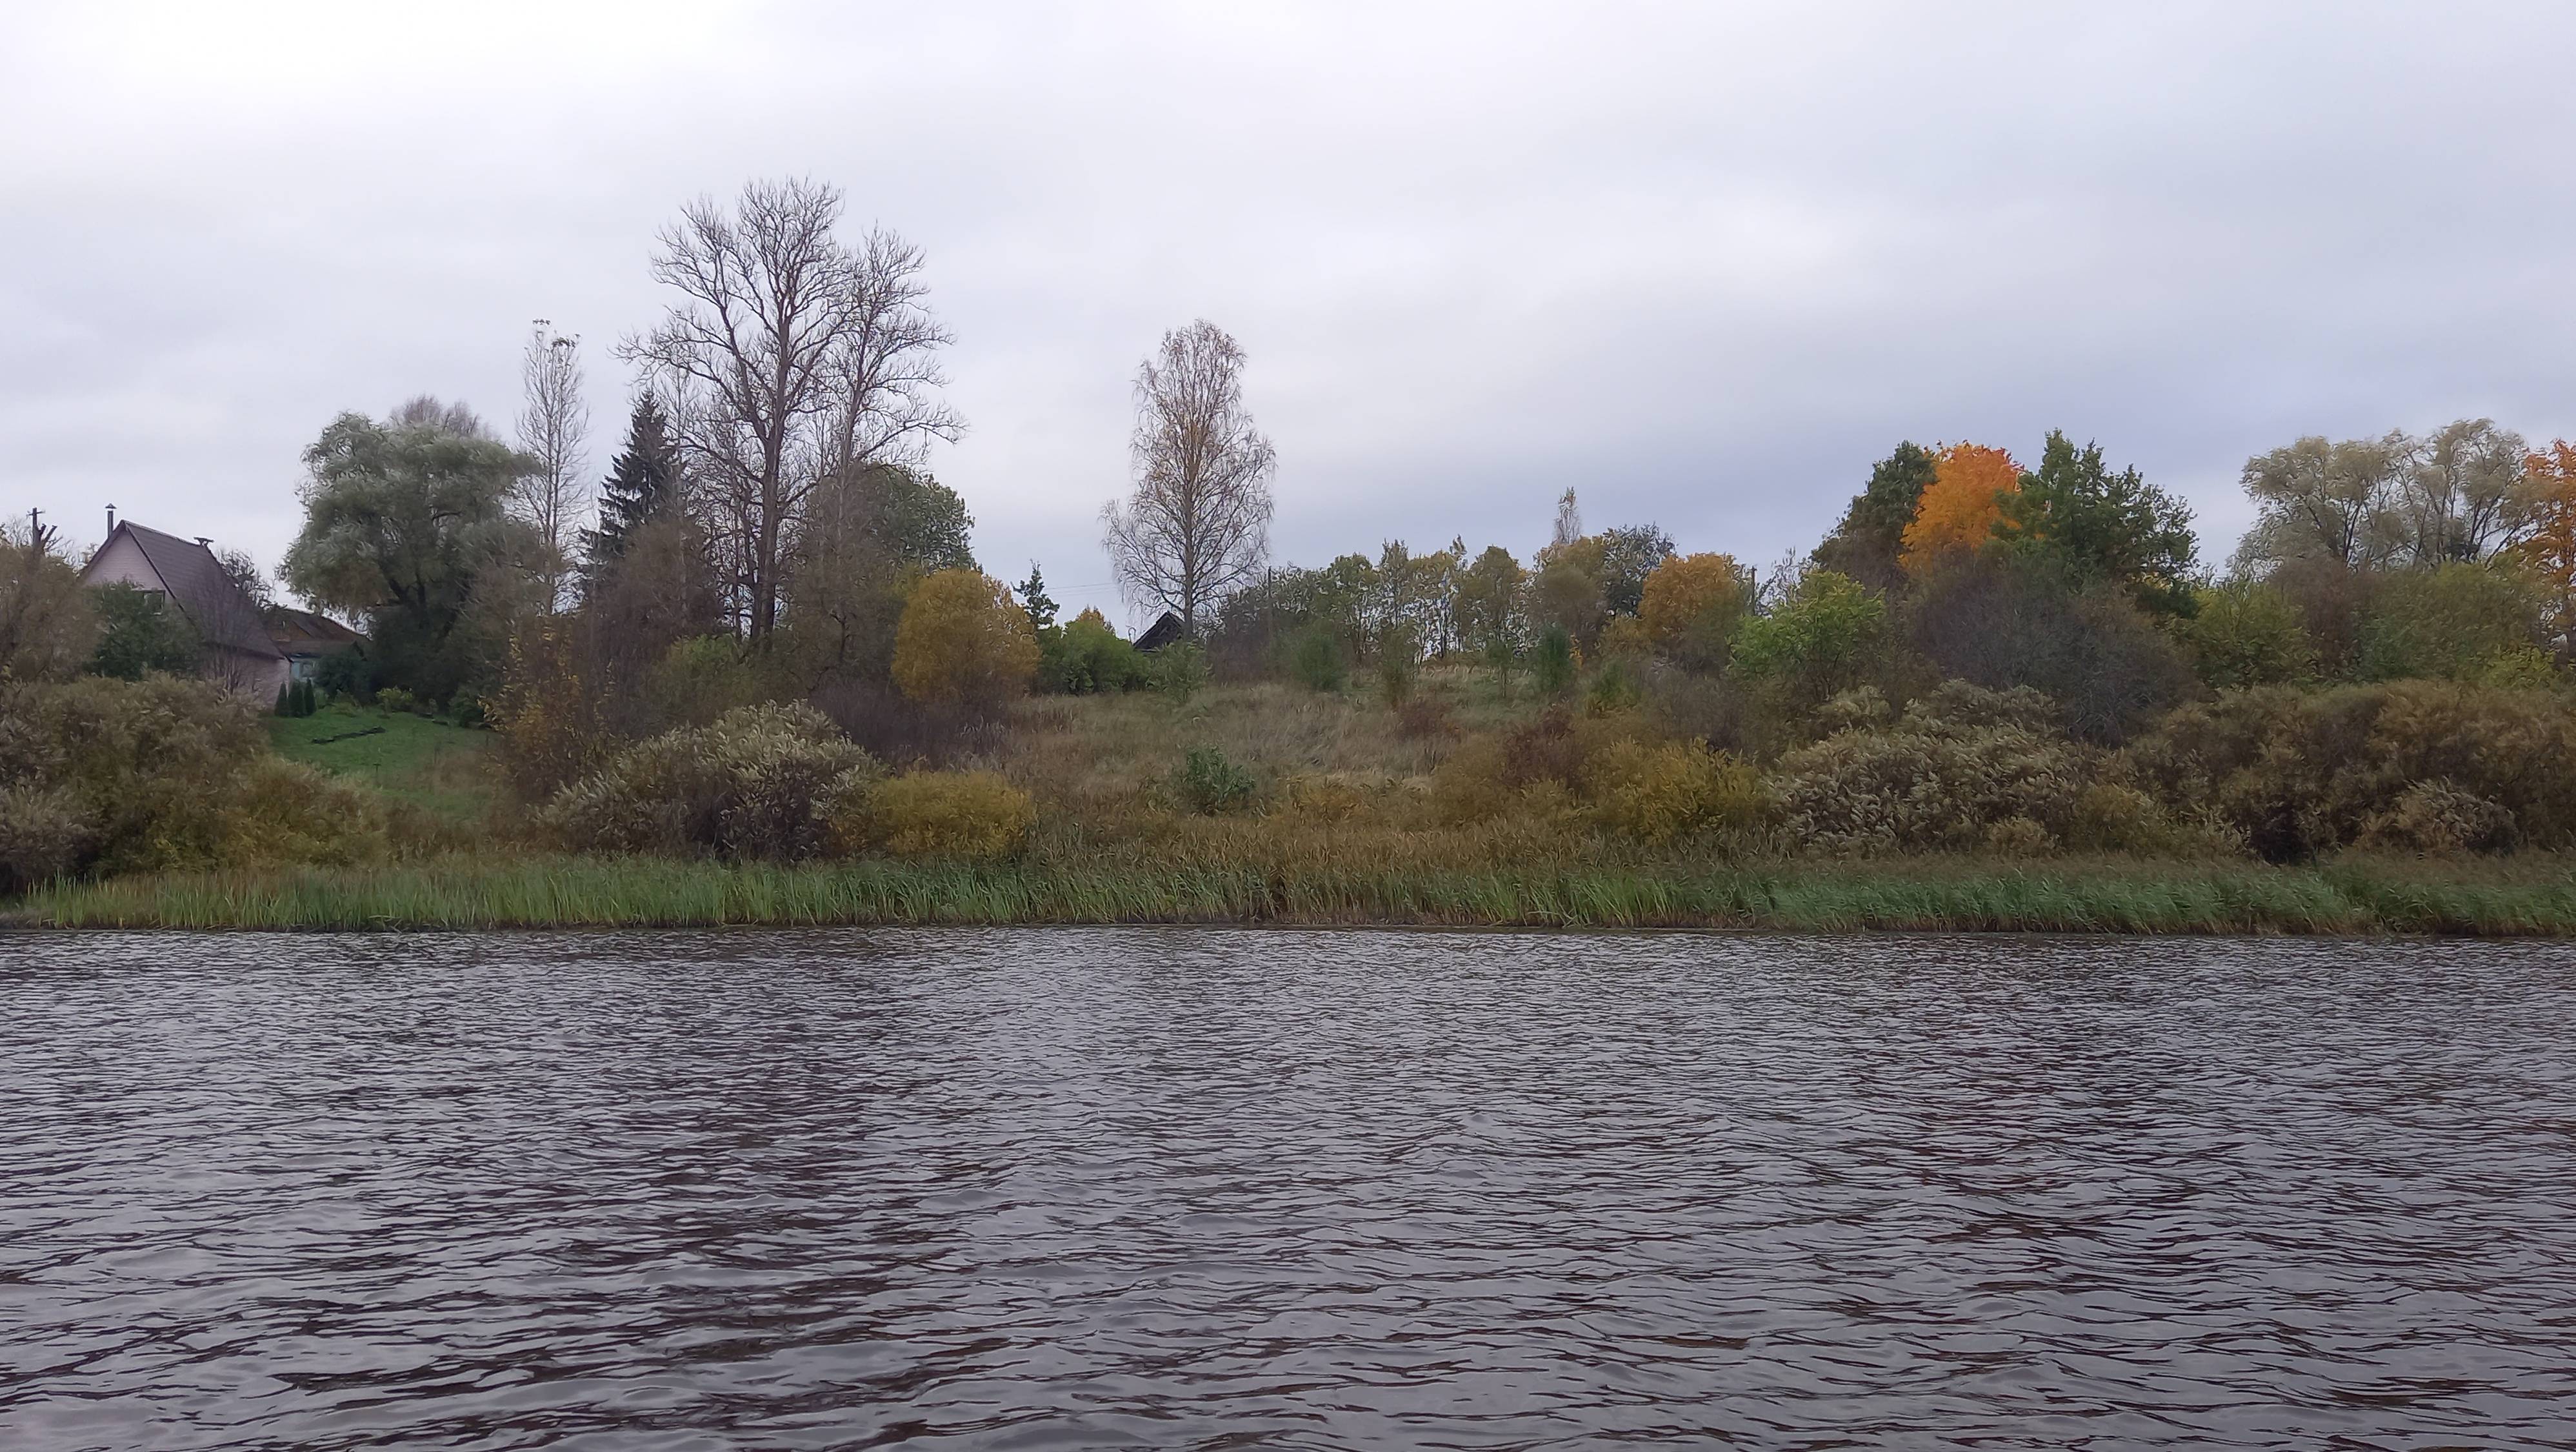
<point x="794" y="361"/>
<point x="1198" y="524"/>
<point x="245" y="573"/>
<point x="423" y="411"/>
<point x="553" y="497"/>
<point x="887" y="372"/>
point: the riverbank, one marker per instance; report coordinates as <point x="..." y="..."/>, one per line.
<point x="2528" y="897"/>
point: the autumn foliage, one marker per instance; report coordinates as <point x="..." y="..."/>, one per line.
<point x="1960" y="505"/>
<point x="1692" y="605"/>
<point x="963" y="640"/>
<point x="2549" y="551"/>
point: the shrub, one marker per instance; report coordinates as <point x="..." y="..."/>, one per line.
<point x="287" y="812"/>
<point x="1315" y="659"/>
<point x="1475" y="784"/>
<point x="1656" y="793"/>
<point x="2001" y="622"/>
<point x="140" y="633"/>
<point x="1398" y="667"/>
<point x="1547" y="749"/>
<point x="975" y="815"/>
<point x="762" y="782"/>
<point x="549" y="711"/>
<point x="1178" y="671"/>
<point x="2302" y="773"/>
<point x="2437" y="819"/>
<point x="1827" y="637"/>
<point x="2247" y="634"/>
<point x="1955" y="766"/>
<point x="964" y="639"/>
<point x="1087" y="656"/>
<point x="705" y="676"/>
<point x="395" y="698"/>
<point x="1614" y="690"/>
<point x="2520" y="668"/>
<point x="1554" y="662"/>
<point x="1424" y="718"/>
<point x="48" y="625"/>
<point x="102" y="776"/>
<point x="1210" y="784"/>
<point x="349" y="673"/>
<point x="2448" y="623"/>
<point x="45" y="833"/>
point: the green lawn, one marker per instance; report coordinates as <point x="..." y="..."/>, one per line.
<point x="429" y="764"/>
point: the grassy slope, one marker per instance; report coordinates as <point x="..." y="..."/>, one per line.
<point x="429" y="764"/>
<point x="1112" y="848"/>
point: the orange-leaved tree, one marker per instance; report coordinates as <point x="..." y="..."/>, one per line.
<point x="2549" y="550"/>
<point x="964" y="640"/>
<point x="1960" y="505"/>
<point x="1691" y="606"/>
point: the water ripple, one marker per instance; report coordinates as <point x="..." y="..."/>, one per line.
<point x="1167" y="1188"/>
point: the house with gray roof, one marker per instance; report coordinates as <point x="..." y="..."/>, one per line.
<point x="239" y="652"/>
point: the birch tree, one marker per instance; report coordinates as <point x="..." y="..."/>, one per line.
<point x="1198" y="524"/>
<point x="553" y="498"/>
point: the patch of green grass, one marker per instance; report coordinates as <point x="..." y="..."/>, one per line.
<point x="1927" y="895"/>
<point x="429" y="764"/>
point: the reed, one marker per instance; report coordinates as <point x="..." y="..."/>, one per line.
<point x="2109" y="896"/>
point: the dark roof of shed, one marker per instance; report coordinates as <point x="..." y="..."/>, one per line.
<point x="198" y="585"/>
<point x="1161" y="633"/>
<point x="303" y="632"/>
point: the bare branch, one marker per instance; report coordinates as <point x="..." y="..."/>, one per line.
<point x="1198" y="525"/>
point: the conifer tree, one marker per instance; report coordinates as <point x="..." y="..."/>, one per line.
<point x="643" y="481"/>
<point x="1035" y="600"/>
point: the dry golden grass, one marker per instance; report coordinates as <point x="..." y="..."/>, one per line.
<point x="1099" y="758"/>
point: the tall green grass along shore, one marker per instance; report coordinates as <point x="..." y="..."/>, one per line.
<point x="2351" y="897"/>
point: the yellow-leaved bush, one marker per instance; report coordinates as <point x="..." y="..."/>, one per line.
<point x="964" y="641"/>
<point x="1658" y="792"/>
<point x="974" y="815"/>
<point x="1567" y="771"/>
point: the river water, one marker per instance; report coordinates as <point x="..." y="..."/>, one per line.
<point x="1181" y="1188"/>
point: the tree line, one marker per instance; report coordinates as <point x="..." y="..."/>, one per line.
<point x="768" y="521"/>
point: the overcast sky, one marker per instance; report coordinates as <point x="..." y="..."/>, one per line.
<point x="1702" y="263"/>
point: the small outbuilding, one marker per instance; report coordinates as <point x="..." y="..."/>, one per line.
<point x="307" y="639"/>
<point x="1161" y="633"/>
<point x="239" y="653"/>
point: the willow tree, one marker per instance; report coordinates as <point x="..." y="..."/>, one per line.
<point x="406" y="523"/>
<point x="1198" y="525"/>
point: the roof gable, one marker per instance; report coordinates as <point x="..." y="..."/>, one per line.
<point x="197" y="584"/>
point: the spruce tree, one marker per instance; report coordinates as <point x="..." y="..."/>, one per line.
<point x="1034" y="599"/>
<point x="643" y="481"/>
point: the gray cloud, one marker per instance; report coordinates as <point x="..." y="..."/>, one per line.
<point x="1703" y="267"/>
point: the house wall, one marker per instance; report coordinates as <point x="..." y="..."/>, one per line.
<point x="256" y="678"/>
<point x="122" y="563"/>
